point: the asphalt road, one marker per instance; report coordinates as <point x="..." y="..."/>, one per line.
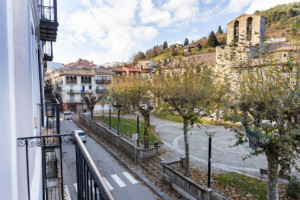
<point x="121" y="183"/>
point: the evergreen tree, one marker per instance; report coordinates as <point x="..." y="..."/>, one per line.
<point x="165" y="45"/>
<point x="186" y="42"/>
<point x="212" y="40"/>
<point x="220" y="31"/>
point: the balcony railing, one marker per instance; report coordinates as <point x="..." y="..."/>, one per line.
<point x="48" y="22"/>
<point x="103" y="81"/>
<point x="72" y="91"/>
<point x="101" y="91"/>
<point x="48" y="51"/>
<point x="90" y="182"/>
<point x="74" y="101"/>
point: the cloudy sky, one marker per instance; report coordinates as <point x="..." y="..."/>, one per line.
<point x="114" y="30"/>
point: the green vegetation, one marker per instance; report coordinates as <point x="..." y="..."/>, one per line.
<point x="128" y="127"/>
<point x="293" y="188"/>
<point x="253" y="186"/>
<point x="212" y="40"/>
<point x="282" y="16"/>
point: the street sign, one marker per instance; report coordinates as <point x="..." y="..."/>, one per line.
<point x="135" y="136"/>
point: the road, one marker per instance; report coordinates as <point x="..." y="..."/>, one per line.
<point x="122" y="184"/>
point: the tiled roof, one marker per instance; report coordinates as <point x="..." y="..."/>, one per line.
<point x="80" y="64"/>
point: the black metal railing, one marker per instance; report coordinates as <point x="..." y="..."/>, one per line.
<point x="48" y="51"/>
<point x="101" y="91"/>
<point x="52" y="113"/>
<point x="103" y="81"/>
<point x="90" y="182"/>
<point x="49" y="10"/>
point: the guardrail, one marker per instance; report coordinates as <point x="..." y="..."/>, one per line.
<point x="189" y="188"/>
<point x="137" y="153"/>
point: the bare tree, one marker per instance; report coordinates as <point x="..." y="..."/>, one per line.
<point x="90" y="102"/>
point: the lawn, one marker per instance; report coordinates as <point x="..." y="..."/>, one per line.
<point x="129" y="127"/>
<point x="253" y="186"/>
<point x="179" y="119"/>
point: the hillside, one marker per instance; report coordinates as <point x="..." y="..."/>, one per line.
<point x="281" y="18"/>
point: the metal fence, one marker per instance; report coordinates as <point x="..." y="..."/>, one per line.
<point x="137" y="153"/>
<point x="89" y="179"/>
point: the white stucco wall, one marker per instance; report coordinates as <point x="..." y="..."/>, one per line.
<point x="20" y="89"/>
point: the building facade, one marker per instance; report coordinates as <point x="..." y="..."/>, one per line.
<point x="26" y="37"/>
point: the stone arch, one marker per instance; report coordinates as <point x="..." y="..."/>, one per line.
<point x="236" y="31"/>
<point x="249" y="28"/>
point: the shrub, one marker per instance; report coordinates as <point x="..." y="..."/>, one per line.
<point x="293" y="188"/>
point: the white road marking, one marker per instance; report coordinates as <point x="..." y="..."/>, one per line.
<point x="108" y="184"/>
<point x="118" y="180"/>
<point x="130" y="178"/>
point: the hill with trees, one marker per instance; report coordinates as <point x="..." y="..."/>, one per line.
<point x="280" y="18"/>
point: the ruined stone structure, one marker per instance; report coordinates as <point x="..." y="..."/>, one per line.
<point x="244" y="39"/>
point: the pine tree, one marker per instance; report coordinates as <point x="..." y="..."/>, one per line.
<point x="220" y="31"/>
<point x="186" y="42"/>
<point x="165" y="45"/>
<point x="212" y="40"/>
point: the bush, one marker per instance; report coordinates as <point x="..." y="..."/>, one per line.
<point x="293" y="188"/>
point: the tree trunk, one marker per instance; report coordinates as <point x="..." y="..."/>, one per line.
<point x="92" y="114"/>
<point x="186" y="144"/>
<point x="146" y="129"/>
<point x="272" y="158"/>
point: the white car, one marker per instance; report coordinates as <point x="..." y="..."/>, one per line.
<point x="67" y="115"/>
<point x="81" y="134"/>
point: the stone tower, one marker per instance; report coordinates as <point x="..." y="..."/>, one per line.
<point x="246" y="27"/>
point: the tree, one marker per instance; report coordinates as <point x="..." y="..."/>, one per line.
<point x="186" y="42"/>
<point x="135" y="92"/>
<point x="220" y="31"/>
<point x="267" y="103"/>
<point x="165" y="45"/>
<point x="90" y="102"/>
<point x="185" y="91"/>
<point x="139" y="56"/>
<point x="212" y="40"/>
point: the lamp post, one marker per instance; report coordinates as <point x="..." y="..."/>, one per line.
<point x="138" y="127"/>
<point x="210" y="134"/>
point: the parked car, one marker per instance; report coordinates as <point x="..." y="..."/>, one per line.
<point x="67" y="115"/>
<point x="81" y="134"/>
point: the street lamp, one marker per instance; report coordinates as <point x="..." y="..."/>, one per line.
<point x="210" y="134"/>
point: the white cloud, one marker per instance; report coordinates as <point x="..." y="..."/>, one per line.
<point x="149" y="14"/>
<point x="182" y="10"/>
<point x="265" y="4"/>
<point x="236" y="6"/>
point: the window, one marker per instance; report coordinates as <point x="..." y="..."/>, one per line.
<point x="90" y="87"/>
<point x="249" y="28"/>
<point x="236" y="31"/>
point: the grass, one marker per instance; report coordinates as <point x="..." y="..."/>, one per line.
<point x="129" y="127"/>
<point x="251" y="185"/>
<point x="178" y="119"/>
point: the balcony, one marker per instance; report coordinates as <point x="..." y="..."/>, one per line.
<point x="82" y="91"/>
<point x="74" y="101"/>
<point x="52" y="168"/>
<point x="48" y="51"/>
<point x="103" y="81"/>
<point x="48" y="22"/>
<point x="101" y="91"/>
